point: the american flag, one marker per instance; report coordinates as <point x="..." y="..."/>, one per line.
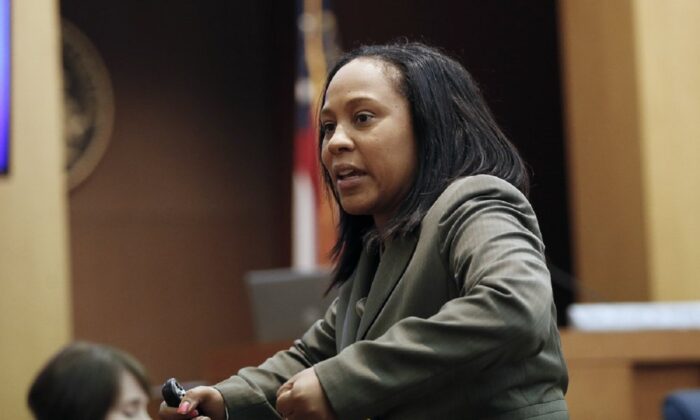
<point x="313" y="233"/>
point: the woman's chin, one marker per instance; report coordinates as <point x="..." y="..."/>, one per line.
<point x="355" y="209"/>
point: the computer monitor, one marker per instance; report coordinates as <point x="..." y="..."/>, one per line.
<point x="286" y="302"/>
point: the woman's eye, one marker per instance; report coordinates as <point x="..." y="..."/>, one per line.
<point x="327" y="127"/>
<point x="364" y="117"/>
<point x="134" y="409"/>
<point x="130" y="413"/>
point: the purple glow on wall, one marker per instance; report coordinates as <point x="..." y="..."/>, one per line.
<point x="4" y="85"/>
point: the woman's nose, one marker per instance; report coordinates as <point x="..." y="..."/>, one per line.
<point x="339" y="141"/>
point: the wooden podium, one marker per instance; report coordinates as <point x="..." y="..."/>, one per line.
<point x="626" y="375"/>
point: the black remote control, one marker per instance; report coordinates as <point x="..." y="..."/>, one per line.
<point x="172" y="392"/>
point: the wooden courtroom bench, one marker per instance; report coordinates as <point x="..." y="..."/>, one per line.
<point x="626" y="375"/>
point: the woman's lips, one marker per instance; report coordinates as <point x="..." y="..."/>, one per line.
<point x="347" y="183"/>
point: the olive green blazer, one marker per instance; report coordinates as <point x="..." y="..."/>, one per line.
<point x="454" y="322"/>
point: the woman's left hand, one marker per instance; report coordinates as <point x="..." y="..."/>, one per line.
<point x="302" y="397"/>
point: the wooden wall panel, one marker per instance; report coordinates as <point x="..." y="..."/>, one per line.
<point x="194" y="189"/>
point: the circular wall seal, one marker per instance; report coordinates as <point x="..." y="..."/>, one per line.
<point x="88" y="103"/>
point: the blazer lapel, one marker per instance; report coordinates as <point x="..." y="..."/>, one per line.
<point x="358" y="287"/>
<point x="392" y="265"/>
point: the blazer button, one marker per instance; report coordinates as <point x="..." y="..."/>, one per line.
<point x="360" y="307"/>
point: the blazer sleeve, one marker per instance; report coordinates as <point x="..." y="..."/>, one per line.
<point x="251" y="393"/>
<point x="490" y="242"/>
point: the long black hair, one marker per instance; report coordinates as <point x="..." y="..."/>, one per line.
<point x="82" y="382"/>
<point x="455" y="133"/>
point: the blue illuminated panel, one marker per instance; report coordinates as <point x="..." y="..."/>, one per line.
<point x="4" y="86"/>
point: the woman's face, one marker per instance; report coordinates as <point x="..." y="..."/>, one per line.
<point x="131" y="402"/>
<point x="368" y="147"/>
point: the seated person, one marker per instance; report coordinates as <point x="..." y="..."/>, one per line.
<point x="86" y="381"/>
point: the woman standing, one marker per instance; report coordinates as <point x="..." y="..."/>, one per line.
<point x="445" y="305"/>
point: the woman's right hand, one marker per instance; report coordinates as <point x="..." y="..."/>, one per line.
<point x="202" y="402"/>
